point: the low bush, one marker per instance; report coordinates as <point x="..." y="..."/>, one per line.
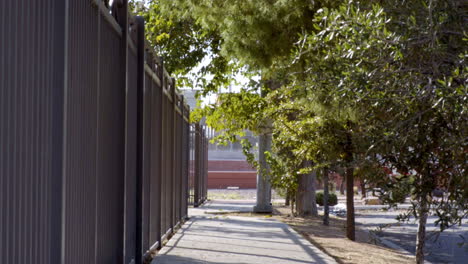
<point x="332" y="199"/>
<point x="355" y="190"/>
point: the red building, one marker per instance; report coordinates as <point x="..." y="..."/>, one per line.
<point x="231" y="173"/>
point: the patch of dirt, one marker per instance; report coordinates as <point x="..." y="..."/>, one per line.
<point x="332" y="239"/>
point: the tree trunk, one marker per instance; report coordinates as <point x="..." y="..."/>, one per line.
<point x="342" y="184"/>
<point x="288" y="197"/>
<point x="421" y="235"/>
<point x="313" y="191"/>
<point x="363" y="189"/>
<point x="292" y="205"/>
<point x="350" y="204"/>
<point x="325" y="197"/>
<point x="350" y="232"/>
<point x="263" y="204"/>
<point x="305" y="201"/>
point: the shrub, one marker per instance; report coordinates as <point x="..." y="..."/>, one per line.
<point x="332" y="199"/>
<point x="355" y="190"/>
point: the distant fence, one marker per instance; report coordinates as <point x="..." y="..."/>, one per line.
<point x="94" y="138"/>
<point x="198" y="177"/>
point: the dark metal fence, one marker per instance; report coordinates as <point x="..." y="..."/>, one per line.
<point x="94" y="138"/>
<point x="198" y="176"/>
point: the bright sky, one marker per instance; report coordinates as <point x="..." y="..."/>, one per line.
<point x="239" y="81"/>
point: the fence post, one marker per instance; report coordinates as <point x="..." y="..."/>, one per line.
<point x="161" y="149"/>
<point x="187" y="164"/>
<point x="58" y="172"/>
<point x="202" y="165"/>
<point x="173" y="137"/>
<point x="183" y="198"/>
<point x="205" y="184"/>
<point x="140" y="110"/>
<point x="196" y="182"/>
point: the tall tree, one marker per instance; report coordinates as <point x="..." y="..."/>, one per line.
<point x="403" y="90"/>
<point x="257" y="34"/>
<point x="430" y="134"/>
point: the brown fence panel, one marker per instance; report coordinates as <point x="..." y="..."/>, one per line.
<point x="191" y="169"/>
<point x="146" y="148"/>
<point x="81" y="119"/>
<point x="156" y="161"/>
<point x="96" y="148"/>
<point x="165" y="191"/>
<point x="110" y="175"/>
<point x="198" y="175"/>
<point x="186" y="156"/>
<point x="31" y="115"/>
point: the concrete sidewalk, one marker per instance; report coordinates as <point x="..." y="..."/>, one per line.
<point x="211" y="239"/>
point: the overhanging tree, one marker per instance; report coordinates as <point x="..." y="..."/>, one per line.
<point x="391" y="78"/>
<point x="257" y="34"/>
<point x="184" y="46"/>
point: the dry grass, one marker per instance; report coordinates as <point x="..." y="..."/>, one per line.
<point x="332" y="239"/>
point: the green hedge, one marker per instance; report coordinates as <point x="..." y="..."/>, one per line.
<point x="332" y="199"/>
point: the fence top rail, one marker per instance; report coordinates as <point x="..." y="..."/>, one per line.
<point x="178" y="105"/>
<point x="177" y="101"/>
<point x="167" y="91"/>
<point x="152" y="63"/>
<point x="108" y="16"/>
<point x="132" y="45"/>
<point x="152" y="75"/>
<point x="177" y="109"/>
<point x="168" y="85"/>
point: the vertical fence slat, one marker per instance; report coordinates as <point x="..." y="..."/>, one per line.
<point x="130" y="160"/>
<point x="140" y="155"/>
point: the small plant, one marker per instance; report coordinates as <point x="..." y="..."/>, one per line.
<point x="332" y="199"/>
<point x="355" y="190"/>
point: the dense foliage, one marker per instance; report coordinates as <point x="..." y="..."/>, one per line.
<point x="375" y="87"/>
<point x="184" y="46"/>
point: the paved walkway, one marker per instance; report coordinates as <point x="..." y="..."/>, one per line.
<point x="210" y="238"/>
